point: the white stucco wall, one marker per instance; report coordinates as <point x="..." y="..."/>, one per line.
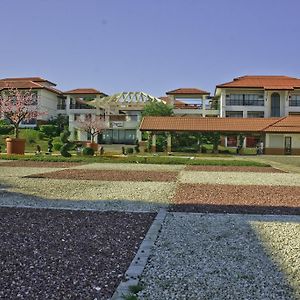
<point x="277" y="140"/>
<point x="47" y="103"/>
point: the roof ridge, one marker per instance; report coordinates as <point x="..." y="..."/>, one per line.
<point x="275" y="122"/>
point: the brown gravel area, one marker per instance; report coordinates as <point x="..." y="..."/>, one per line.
<point x="109" y="175"/>
<point x="237" y="199"/>
<point x="233" y="169"/>
<point x="56" y="254"/>
<point x="38" y="164"/>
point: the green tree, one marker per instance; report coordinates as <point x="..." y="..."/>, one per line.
<point x="157" y="109"/>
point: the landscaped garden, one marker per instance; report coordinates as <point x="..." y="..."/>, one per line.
<point x="233" y="252"/>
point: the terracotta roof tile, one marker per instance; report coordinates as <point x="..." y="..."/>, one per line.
<point x="264" y="82"/>
<point x="83" y="91"/>
<point x="286" y="124"/>
<point x="34" y="79"/>
<point x="26" y="84"/>
<point x="206" y="124"/>
<point x="187" y="91"/>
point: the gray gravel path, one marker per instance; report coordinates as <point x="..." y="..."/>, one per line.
<point x="208" y="256"/>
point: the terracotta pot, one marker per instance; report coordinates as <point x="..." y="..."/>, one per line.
<point x="92" y="145"/>
<point x="15" y="146"/>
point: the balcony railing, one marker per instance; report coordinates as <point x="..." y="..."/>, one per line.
<point x="61" y="106"/>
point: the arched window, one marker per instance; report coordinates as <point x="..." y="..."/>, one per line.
<point x="275" y="105"/>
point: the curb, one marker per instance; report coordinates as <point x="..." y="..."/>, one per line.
<point x="138" y="264"/>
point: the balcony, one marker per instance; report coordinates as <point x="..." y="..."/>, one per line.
<point x="61" y="106"/>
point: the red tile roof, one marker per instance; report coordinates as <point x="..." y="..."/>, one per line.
<point x="34" y="79"/>
<point x="83" y="91"/>
<point x="167" y="100"/>
<point x="286" y="124"/>
<point x="187" y="91"/>
<point x="25" y="83"/>
<point x="263" y="82"/>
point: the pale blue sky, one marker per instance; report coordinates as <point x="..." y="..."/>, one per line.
<point x="152" y="46"/>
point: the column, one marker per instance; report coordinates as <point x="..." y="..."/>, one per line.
<point x="153" y="146"/>
<point x="203" y="106"/>
<point x="169" y="142"/>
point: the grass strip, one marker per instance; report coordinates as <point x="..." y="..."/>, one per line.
<point x="137" y="159"/>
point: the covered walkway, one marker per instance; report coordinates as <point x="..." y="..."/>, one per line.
<point x="280" y="135"/>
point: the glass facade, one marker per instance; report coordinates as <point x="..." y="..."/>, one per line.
<point x="119" y="136"/>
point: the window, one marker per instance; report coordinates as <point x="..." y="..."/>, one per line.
<point x="294" y="100"/>
<point x="245" y="99"/>
<point x="234" y="114"/>
<point x="255" y="114"/>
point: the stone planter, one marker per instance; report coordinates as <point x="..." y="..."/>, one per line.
<point x="15" y="146"/>
<point x="92" y="145"/>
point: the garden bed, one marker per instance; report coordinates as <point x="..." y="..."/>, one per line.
<point x="257" y="199"/>
<point x="66" y="254"/>
<point x="233" y="169"/>
<point x="109" y="175"/>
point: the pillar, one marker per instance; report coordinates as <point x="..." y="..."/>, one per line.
<point x="169" y="142"/>
<point x="153" y="146"/>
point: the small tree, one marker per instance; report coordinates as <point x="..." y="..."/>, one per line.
<point x="17" y="106"/>
<point x="92" y="126"/>
<point x="157" y="109"/>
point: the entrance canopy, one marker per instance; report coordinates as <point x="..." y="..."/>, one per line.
<point x="224" y="125"/>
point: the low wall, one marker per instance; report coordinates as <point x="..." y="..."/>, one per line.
<point x="280" y="151"/>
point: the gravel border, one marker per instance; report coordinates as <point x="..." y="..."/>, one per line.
<point x="138" y="264"/>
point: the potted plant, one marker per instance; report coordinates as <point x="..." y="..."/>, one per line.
<point x="17" y="106"/>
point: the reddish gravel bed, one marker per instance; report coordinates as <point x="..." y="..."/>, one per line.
<point x="237" y="199"/>
<point x="233" y="169"/>
<point x="109" y="175"/>
<point x="38" y="164"/>
<point x="56" y="254"/>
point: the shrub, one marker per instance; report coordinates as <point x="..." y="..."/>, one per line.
<point x="6" y="129"/>
<point x="129" y="150"/>
<point x="88" y="151"/>
<point x="57" y="146"/>
<point x="67" y="145"/>
<point x="49" y="130"/>
<point x="31" y="135"/>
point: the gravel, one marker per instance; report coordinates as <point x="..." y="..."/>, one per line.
<point x="207" y="256"/>
<point x="52" y="254"/>
<point x="20" y="171"/>
<point x="129" y="196"/>
<point x="237" y="199"/>
<point x="233" y="169"/>
<point x="235" y="178"/>
<point x="109" y="175"/>
<point x="131" y="167"/>
<point x="38" y="164"/>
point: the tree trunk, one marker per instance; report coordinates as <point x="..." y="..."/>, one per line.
<point x="16" y="131"/>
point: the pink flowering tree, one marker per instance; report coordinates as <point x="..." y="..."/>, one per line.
<point x="92" y="126"/>
<point x="17" y="106"/>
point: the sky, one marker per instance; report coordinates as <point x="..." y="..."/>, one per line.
<point x="148" y="45"/>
